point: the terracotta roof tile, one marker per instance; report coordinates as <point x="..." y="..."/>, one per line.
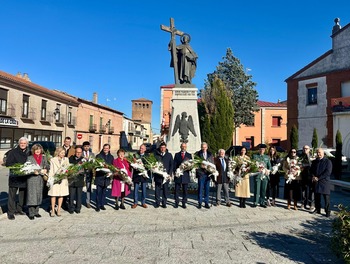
<point x="270" y="104"/>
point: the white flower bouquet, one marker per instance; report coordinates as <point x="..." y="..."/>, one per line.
<point x="122" y="174"/>
<point x="210" y="167"/>
<point x="293" y="170"/>
<point x="156" y="167"/>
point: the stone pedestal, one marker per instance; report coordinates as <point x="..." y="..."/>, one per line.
<point x="184" y="113"/>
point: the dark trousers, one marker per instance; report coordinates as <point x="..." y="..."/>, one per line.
<point x="203" y="189"/>
<point x="272" y="187"/>
<point x="308" y="195"/>
<point x="326" y="198"/>
<point x="33" y="210"/>
<point x="100" y="196"/>
<point x="165" y="190"/>
<point x="75" y="193"/>
<point x="184" y="187"/>
<point x="14" y="207"/>
<point x="137" y="186"/>
<point x="260" y="190"/>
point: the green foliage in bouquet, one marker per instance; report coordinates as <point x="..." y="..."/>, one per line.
<point x="340" y="241"/>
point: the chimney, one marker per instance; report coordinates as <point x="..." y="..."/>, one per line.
<point x="26" y="77"/>
<point x="19" y="75"/>
<point x="336" y="27"/>
<point x="94" y="98"/>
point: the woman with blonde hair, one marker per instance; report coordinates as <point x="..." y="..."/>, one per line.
<point x="35" y="182"/>
<point x="58" y="165"/>
<point x="242" y="189"/>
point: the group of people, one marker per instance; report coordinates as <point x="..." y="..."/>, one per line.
<point x="308" y="186"/>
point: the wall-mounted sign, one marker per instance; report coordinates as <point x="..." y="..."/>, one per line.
<point x="8" y="121"/>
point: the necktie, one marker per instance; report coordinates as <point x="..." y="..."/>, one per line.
<point x="205" y="155"/>
<point x="223" y="164"/>
<point x="182" y="155"/>
<point x="86" y="154"/>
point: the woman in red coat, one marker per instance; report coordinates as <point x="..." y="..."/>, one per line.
<point x="119" y="188"/>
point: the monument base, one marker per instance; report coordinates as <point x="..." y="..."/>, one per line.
<point x="184" y="123"/>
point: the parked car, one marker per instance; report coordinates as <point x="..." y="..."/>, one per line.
<point x="233" y="151"/>
<point x="330" y="152"/>
<point x="47" y="146"/>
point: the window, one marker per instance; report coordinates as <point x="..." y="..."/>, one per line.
<point x="250" y="140"/>
<point x="276" y="121"/>
<point x="91" y="120"/>
<point x="91" y="140"/>
<point x="101" y="122"/>
<point x="69" y="118"/>
<point x="25" y="107"/>
<point x="43" y="109"/>
<point x="3" y="101"/>
<point x="312" y="95"/>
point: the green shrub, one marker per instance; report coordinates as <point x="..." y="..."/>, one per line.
<point x="341" y="233"/>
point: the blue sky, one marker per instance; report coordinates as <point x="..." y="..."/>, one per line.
<point x="116" y="48"/>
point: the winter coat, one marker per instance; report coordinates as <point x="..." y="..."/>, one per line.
<point x="100" y="178"/>
<point x="185" y="178"/>
<point x="135" y="173"/>
<point x="35" y="182"/>
<point x="117" y="183"/>
<point x="202" y="172"/>
<point x="322" y="169"/>
<point x="168" y="163"/>
<point x="17" y="155"/>
<point x="58" y="189"/>
<point x="77" y="180"/>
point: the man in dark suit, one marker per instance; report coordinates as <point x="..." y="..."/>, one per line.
<point x="184" y="179"/>
<point x="87" y="154"/>
<point x="17" y="183"/>
<point x="166" y="158"/>
<point x="221" y="164"/>
<point x="139" y="180"/>
<point x="321" y="169"/>
<point x="203" y="176"/>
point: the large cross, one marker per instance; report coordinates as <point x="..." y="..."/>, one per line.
<point x="173" y="31"/>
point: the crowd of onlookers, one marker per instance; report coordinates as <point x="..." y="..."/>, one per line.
<point x="306" y="179"/>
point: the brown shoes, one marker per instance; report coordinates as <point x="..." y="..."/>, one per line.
<point x="228" y="204"/>
<point x="133" y="206"/>
<point x="144" y="206"/>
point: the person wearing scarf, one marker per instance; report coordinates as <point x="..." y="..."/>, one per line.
<point x="35" y="182"/>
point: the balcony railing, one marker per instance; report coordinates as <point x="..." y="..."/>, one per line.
<point x="110" y="130"/>
<point x="30" y="114"/>
<point x="72" y="121"/>
<point x="102" y="129"/>
<point x="92" y="128"/>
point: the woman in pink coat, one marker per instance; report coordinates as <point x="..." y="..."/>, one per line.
<point x="119" y="188"/>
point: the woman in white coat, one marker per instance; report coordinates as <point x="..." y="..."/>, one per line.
<point x="58" y="165"/>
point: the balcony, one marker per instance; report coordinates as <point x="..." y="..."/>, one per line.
<point x="72" y="122"/>
<point x="341" y="104"/>
<point x="11" y="110"/>
<point x="28" y="116"/>
<point x="92" y="128"/>
<point x="102" y="129"/>
<point x="110" y="130"/>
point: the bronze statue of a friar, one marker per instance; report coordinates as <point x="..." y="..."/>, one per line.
<point x="183" y="57"/>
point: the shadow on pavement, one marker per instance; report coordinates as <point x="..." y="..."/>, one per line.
<point x="310" y="245"/>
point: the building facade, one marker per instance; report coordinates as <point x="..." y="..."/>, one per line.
<point x="318" y="94"/>
<point x="33" y="111"/>
<point x="269" y="127"/>
<point x="142" y="115"/>
<point x="99" y="125"/>
<point x="166" y="94"/>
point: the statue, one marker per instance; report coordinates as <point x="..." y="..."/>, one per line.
<point x="184" y="127"/>
<point x="183" y="57"/>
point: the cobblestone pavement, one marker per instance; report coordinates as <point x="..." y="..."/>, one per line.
<point x="158" y="235"/>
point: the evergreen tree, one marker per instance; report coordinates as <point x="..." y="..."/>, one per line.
<point x="314" y="142"/>
<point x="240" y="86"/>
<point x="294" y="137"/>
<point x="216" y="120"/>
<point x="338" y="155"/>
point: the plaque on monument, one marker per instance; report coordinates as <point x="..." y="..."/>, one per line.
<point x="184" y="123"/>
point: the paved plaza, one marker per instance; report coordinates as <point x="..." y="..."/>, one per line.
<point x="158" y="235"/>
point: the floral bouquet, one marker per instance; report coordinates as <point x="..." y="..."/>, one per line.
<point x="62" y="173"/>
<point x="99" y="165"/>
<point x="275" y="168"/>
<point x="237" y="168"/>
<point x="137" y="164"/>
<point x="156" y="167"/>
<point x="122" y="174"/>
<point x="187" y="165"/>
<point x="293" y="170"/>
<point x="25" y="169"/>
<point x="258" y="168"/>
<point x="210" y="167"/>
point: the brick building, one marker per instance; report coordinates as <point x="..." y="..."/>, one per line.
<point x="142" y="115"/>
<point x="315" y="91"/>
<point x="269" y="126"/>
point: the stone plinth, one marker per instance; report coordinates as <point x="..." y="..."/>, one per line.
<point x="184" y="100"/>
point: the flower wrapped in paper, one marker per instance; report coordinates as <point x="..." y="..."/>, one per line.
<point x="238" y="167"/>
<point x="275" y="168"/>
<point x="99" y="165"/>
<point x="122" y="174"/>
<point x="137" y="164"/>
<point x="24" y="169"/>
<point x="210" y="167"/>
<point x="186" y="165"/>
<point x="258" y="168"/>
<point x="156" y="167"/>
<point x="292" y="170"/>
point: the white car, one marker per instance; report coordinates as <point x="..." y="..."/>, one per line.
<point x="330" y="152"/>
